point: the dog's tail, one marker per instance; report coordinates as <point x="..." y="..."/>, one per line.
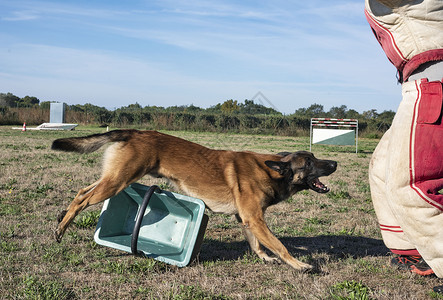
<point x="91" y="143"/>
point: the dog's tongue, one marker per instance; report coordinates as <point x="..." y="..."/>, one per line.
<point x="318" y="184"/>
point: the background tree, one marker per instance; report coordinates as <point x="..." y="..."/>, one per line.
<point x="251" y="108"/>
<point x="338" y="112"/>
<point x="352" y="114"/>
<point x="313" y="111"/>
<point x="230" y="106"/>
<point x="370" y="114"/>
<point x="193" y="109"/>
<point x="45" y="105"/>
<point x="28" y="101"/>
<point x="9" y="100"/>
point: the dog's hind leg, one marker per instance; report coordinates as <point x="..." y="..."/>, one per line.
<point x="62" y="214"/>
<point x="95" y="193"/>
<point x="121" y="168"/>
<point x="255" y="245"/>
<point x="110" y="184"/>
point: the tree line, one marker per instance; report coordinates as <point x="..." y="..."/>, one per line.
<point x="230" y="115"/>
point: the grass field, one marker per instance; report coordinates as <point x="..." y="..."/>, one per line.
<point x="336" y="232"/>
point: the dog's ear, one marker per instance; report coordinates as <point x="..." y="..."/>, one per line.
<point x="279" y="166"/>
<point x="284" y="153"/>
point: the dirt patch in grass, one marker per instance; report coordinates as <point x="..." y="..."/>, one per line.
<point x="336" y="232"/>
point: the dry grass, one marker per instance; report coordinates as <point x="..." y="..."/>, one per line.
<point x="337" y="232"/>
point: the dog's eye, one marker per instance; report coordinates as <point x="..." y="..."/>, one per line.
<point x="308" y="164"/>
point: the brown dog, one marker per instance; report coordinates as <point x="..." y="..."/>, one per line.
<point x="240" y="183"/>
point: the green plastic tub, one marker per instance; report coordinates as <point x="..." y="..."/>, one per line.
<point x="166" y="226"/>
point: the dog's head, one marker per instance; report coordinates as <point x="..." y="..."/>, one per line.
<point x="301" y="169"/>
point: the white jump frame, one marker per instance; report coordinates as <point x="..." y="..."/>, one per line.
<point x="336" y="124"/>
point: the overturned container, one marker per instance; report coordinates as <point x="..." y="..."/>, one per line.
<point x="166" y="226"/>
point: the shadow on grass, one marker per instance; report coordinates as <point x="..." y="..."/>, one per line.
<point x="336" y="246"/>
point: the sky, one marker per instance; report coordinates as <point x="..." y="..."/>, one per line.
<point x="281" y="53"/>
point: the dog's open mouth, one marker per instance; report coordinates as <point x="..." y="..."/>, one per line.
<point x="316" y="185"/>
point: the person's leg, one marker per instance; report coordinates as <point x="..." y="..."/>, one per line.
<point x="393" y="235"/>
<point x="414" y="171"/>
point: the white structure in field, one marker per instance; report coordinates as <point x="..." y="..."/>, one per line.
<point x="57" y="112"/>
<point x="328" y="131"/>
<point x="56" y="119"/>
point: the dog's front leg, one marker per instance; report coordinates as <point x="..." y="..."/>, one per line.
<point x="255" y="224"/>
<point x="255" y="245"/>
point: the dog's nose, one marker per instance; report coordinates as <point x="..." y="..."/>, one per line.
<point x="333" y="164"/>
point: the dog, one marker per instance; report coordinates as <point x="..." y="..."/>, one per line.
<point x="243" y="184"/>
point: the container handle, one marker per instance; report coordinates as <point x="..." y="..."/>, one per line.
<point x="139" y="218"/>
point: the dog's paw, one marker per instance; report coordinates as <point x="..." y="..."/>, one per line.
<point x="61" y="215"/>
<point x="306" y="267"/>
<point x="272" y="260"/>
<point x="300" y="266"/>
<point x="58" y="236"/>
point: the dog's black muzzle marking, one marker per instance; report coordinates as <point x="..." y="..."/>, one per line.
<point x="324" y="168"/>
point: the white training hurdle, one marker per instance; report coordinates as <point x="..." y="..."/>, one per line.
<point x="328" y="131"/>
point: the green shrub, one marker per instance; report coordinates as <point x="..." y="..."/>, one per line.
<point x="350" y="290"/>
<point x="87" y="220"/>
